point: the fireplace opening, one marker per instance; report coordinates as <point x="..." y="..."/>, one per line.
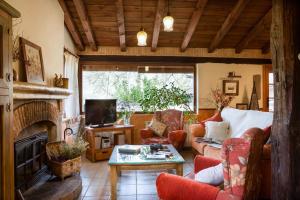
<point x="30" y="160"/>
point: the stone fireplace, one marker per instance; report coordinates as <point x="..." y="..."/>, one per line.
<point x="38" y="112"/>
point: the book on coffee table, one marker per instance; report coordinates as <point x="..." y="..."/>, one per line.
<point x="129" y="149"/>
<point x="156" y="156"/>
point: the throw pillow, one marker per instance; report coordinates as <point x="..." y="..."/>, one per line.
<point x="212" y="175"/>
<point x="157" y="127"/>
<point x="217" y="131"/>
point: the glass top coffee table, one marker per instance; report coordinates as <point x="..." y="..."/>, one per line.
<point x="139" y="161"/>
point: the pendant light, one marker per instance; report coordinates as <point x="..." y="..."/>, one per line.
<point x="142" y="35"/>
<point x="168" y="20"/>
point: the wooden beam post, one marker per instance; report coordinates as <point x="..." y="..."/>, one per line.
<point x="257" y="28"/>
<point x="266" y="48"/>
<point x="71" y="26"/>
<point x="160" y="8"/>
<point x="197" y="13"/>
<point x="285" y="47"/>
<point x="82" y="13"/>
<point x="121" y="24"/>
<point x="228" y="23"/>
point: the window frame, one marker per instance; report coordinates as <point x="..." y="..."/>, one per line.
<point x="133" y="65"/>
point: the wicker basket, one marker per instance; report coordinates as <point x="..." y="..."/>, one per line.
<point x="62" y="169"/>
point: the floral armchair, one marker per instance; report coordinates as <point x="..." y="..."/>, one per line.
<point x="173" y="134"/>
<point x="241" y="159"/>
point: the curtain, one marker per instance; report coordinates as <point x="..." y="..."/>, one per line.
<point x="71" y="72"/>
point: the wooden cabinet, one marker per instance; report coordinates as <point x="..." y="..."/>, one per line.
<point x="6" y="99"/>
<point x="94" y="152"/>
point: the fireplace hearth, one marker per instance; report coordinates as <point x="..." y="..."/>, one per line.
<point x="30" y="160"/>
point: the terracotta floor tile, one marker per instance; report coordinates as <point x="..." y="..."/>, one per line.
<point x="146" y="189"/>
<point x="147" y="197"/>
<point x="126" y="189"/>
<point x="127" y="197"/>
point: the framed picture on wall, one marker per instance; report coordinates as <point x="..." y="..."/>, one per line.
<point x="231" y="87"/>
<point x="33" y="61"/>
<point x="242" y="106"/>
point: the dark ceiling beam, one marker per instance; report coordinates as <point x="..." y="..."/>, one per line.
<point x="121" y="24"/>
<point x="82" y="13"/>
<point x="256" y="29"/>
<point x="228" y="23"/>
<point x="71" y="26"/>
<point x="193" y="23"/>
<point x="173" y="60"/>
<point x="160" y="8"/>
<point x="266" y="48"/>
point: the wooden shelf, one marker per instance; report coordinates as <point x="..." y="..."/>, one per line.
<point x="23" y="90"/>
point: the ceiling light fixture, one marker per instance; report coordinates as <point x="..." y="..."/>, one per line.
<point x="142" y="35"/>
<point x="168" y="20"/>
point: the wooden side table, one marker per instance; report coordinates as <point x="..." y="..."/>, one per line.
<point x="94" y="153"/>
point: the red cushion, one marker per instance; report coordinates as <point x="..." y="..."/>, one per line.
<point x="215" y="118"/>
<point x="267" y="133"/>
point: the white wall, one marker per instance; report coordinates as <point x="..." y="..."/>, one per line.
<point x="42" y="22"/>
<point x="211" y="76"/>
<point x="69" y="44"/>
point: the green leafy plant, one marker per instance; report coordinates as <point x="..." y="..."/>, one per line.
<point x="167" y="96"/>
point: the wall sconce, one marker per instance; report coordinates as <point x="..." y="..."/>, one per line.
<point x="146" y="68"/>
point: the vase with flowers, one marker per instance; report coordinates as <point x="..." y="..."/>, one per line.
<point x="219" y="99"/>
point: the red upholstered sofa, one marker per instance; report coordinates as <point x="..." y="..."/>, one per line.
<point x="259" y="119"/>
<point x="240" y="159"/>
<point x="174" y="133"/>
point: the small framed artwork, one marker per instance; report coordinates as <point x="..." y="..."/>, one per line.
<point x="242" y="106"/>
<point x="231" y="87"/>
<point x="33" y="61"/>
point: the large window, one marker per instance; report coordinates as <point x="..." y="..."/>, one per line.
<point x="122" y="84"/>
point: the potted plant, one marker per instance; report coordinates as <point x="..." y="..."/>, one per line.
<point x="64" y="159"/>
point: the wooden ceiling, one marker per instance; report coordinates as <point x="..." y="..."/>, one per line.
<point x="211" y="24"/>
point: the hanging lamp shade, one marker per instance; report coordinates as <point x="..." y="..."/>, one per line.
<point x="168" y="22"/>
<point x="142" y="37"/>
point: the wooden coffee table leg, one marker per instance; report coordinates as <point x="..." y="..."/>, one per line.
<point x="179" y="169"/>
<point x="113" y="182"/>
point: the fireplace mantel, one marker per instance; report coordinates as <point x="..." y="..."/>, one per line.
<point x="23" y="90"/>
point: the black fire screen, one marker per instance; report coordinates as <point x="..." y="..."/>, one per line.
<point x="30" y="160"/>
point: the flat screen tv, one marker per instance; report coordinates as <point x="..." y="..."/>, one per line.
<point x="100" y="112"/>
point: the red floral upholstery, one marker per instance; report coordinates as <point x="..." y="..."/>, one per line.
<point x="173" y="134"/>
<point x="240" y="158"/>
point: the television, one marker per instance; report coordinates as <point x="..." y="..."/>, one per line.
<point x="100" y="112"/>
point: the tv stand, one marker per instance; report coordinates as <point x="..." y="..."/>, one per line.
<point x="101" y="125"/>
<point x="94" y="153"/>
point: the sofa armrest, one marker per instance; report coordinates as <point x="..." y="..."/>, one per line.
<point x="177" y="138"/>
<point x="267" y="152"/>
<point x="146" y="133"/>
<point x="172" y="187"/>
<point x="202" y="162"/>
<point x="197" y="130"/>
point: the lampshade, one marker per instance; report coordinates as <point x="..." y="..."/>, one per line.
<point x="142" y="37"/>
<point x="168" y="22"/>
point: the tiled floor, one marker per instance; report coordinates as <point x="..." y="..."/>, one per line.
<point x="132" y="185"/>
